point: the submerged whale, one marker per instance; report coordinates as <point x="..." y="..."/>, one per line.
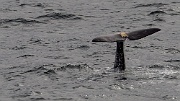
<point x="119" y="38"/>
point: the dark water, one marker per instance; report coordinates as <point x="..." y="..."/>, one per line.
<point x="46" y="51"/>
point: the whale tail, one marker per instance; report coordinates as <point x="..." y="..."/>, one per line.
<point x="135" y="35"/>
<point x="119" y="38"/>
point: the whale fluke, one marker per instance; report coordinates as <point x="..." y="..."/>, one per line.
<point x="119" y="38"/>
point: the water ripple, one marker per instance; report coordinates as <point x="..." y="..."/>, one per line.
<point x="18" y="20"/>
<point x="150" y="5"/>
<point x="56" y="16"/>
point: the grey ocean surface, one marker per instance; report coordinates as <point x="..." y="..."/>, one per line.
<point x="46" y="53"/>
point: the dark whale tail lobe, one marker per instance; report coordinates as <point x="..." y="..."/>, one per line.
<point x="135" y="35"/>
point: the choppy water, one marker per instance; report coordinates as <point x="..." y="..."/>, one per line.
<point x="46" y="51"/>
